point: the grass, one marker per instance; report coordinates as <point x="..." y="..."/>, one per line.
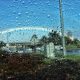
<point x="70" y="47"/>
<point x="73" y="57"/>
<point x="67" y="57"/>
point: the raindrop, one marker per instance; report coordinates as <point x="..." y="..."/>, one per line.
<point x="49" y="4"/>
<point x="14" y="12"/>
<point x="43" y="11"/>
<point x="16" y="17"/>
<point x="79" y="14"/>
<point x="29" y="1"/>
<point x="72" y="8"/>
<point x="26" y="6"/>
<point x="52" y="19"/>
<point x="26" y="12"/>
<point x="20" y="0"/>
<point x="16" y="20"/>
<point x="28" y="16"/>
<point x="48" y="16"/>
<point x="26" y="21"/>
<point x="35" y="3"/>
<point x="23" y="2"/>
<point x="19" y="23"/>
<point x="19" y="14"/>
<point x="32" y="11"/>
<point x="15" y="1"/>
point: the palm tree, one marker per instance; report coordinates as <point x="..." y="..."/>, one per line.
<point x="34" y="41"/>
<point x="55" y="37"/>
<point x="44" y="40"/>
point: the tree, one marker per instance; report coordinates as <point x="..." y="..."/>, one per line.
<point x="68" y="41"/>
<point x="76" y="41"/>
<point x="34" y="41"/>
<point x="34" y="36"/>
<point x="2" y="44"/>
<point x="55" y="38"/>
<point x="44" y="40"/>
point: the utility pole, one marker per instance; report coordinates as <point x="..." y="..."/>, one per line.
<point x="7" y="40"/>
<point x="0" y="36"/>
<point x="62" y="26"/>
<point x="8" y="34"/>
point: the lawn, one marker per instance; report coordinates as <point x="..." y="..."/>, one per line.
<point x="73" y="57"/>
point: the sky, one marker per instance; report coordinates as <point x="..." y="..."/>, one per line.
<point x="41" y="13"/>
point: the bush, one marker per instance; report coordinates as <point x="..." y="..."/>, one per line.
<point x="59" y="54"/>
<point x="60" y="70"/>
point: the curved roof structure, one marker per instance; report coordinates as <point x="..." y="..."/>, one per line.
<point x="26" y="28"/>
<point x="23" y="34"/>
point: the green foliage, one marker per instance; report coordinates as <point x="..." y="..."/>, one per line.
<point x="68" y="41"/>
<point x="34" y="36"/>
<point x="44" y="40"/>
<point x="76" y="41"/>
<point x="47" y="61"/>
<point x="78" y="44"/>
<point x="73" y="57"/>
<point x="59" y="54"/>
<point x="52" y="37"/>
<point x="71" y="46"/>
<point x="61" y="70"/>
<point x="55" y="38"/>
<point x="2" y="44"/>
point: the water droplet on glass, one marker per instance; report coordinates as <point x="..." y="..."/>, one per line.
<point x="23" y="2"/>
<point x="20" y="0"/>
<point x="48" y="16"/>
<point x="19" y="23"/>
<point x="28" y="16"/>
<point x="14" y="12"/>
<point x="14" y="1"/>
<point x="19" y="14"/>
<point x="16" y="20"/>
<point x="26" y="12"/>
<point x="16" y="17"/>
<point x="35" y="3"/>
<point x="79" y="14"/>
<point x="26" y="6"/>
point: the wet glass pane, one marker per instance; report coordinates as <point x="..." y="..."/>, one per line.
<point x="39" y="36"/>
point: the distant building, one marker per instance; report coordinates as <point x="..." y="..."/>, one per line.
<point x="70" y="35"/>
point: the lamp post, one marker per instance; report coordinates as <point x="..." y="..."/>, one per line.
<point x="62" y="26"/>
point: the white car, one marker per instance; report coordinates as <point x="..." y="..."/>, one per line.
<point x="20" y="51"/>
